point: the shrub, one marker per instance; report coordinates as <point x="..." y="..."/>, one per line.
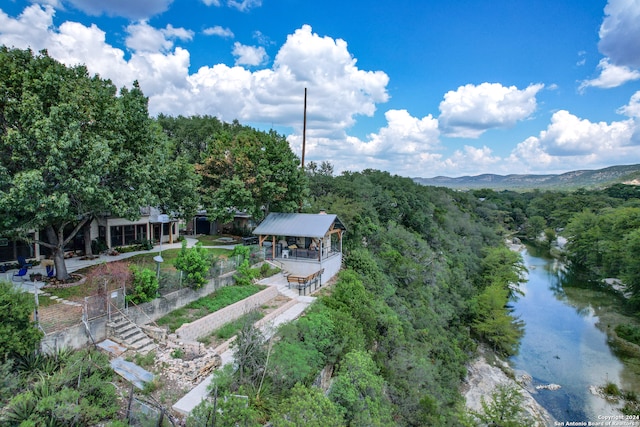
<point x="114" y="274"/>
<point x="611" y="389"/>
<point x="629" y="332"/>
<point x="194" y="263"/>
<point x="145" y="285"/>
<point x="244" y="274"/>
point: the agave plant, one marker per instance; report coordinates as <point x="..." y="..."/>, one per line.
<point x="19" y="409"/>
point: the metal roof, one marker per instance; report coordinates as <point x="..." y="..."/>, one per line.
<point x="298" y="225"/>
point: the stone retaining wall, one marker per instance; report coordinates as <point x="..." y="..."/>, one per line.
<point x="204" y="326"/>
<point x="151" y="311"/>
<point x="76" y="336"/>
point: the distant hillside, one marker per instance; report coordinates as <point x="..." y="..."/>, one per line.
<point x="566" y="181"/>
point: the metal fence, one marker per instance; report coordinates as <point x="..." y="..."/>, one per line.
<point x="56" y="317"/>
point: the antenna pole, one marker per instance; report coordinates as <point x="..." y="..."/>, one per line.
<point x="304" y="129"/>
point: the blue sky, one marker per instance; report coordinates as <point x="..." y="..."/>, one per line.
<point x="416" y="88"/>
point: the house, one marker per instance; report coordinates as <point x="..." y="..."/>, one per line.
<point x="201" y="224"/>
<point x="303" y="243"/>
<point x="112" y="231"/>
<point x="152" y="225"/>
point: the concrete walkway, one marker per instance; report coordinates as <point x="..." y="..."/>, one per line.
<point x="74" y="264"/>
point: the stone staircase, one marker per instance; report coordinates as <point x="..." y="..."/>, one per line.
<point x="128" y="334"/>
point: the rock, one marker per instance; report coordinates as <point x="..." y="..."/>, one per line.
<point x="548" y="387"/>
<point x="483" y="378"/>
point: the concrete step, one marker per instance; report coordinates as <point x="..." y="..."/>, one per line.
<point x="130" y="335"/>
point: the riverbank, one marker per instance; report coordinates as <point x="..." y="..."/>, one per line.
<point x="483" y="377"/>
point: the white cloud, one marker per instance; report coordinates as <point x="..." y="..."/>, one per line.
<point x="632" y="109"/>
<point x="571" y="143"/>
<point x="244" y="5"/>
<point x="33" y="28"/>
<point x="145" y="38"/>
<point x="337" y="89"/>
<point x="249" y="55"/>
<point x="132" y="9"/>
<point x="471" y="110"/>
<point x="611" y="76"/>
<point x="218" y="31"/>
<point x="620" y="32"/>
<point x="403" y="134"/>
<point x="472" y="159"/>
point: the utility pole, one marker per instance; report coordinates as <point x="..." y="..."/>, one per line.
<point x="304" y="138"/>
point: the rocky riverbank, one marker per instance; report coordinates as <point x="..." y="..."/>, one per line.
<point x="482" y="379"/>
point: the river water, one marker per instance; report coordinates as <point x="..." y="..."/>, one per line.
<point x="565" y="343"/>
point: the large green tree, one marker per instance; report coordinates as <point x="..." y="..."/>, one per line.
<point x="251" y="171"/>
<point x="72" y="148"/>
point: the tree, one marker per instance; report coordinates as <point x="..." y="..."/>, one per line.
<point x="72" y="149"/>
<point x="195" y="263"/>
<point x="254" y="172"/>
<point x="250" y="354"/>
<point x="360" y="391"/>
<point x="308" y="406"/>
<point x="504" y="408"/>
<point x="504" y="267"/>
<point x="18" y="333"/>
<point x="493" y="321"/>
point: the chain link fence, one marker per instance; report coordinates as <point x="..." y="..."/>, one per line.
<point x="55" y="317"/>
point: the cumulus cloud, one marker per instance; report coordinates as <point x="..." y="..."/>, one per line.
<point x="620" y="32"/>
<point x="471" y="159"/>
<point x="145" y="38"/>
<point x="570" y="142"/>
<point x="471" y="110"/>
<point x="218" y="31"/>
<point x="632" y="109"/>
<point x="243" y="6"/>
<point x="611" y="76"/>
<point x="138" y="9"/>
<point x="33" y="28"/>
<point x="249" y="55"/>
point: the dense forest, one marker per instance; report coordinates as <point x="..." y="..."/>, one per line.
<point x="426" y="277"/>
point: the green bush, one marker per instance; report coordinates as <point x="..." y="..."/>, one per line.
<point x="611" y="389"/>
<point x="145" y="285"/>
<point x="629" y="332"/>
<point x="79" y="391"/>
<point x="194" y="263"/>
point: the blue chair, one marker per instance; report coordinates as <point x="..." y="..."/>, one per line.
<point x="50" y="271"/>
<point x="21" y="273"/>
<point x="23" y="262"/>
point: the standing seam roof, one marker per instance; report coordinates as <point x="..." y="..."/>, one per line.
<point x="297" y="225"/>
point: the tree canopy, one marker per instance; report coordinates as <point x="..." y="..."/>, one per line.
<point x="72" y="148"/>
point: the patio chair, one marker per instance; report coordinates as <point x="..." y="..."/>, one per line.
<point x="21" y="273"/>
<point x="23" y="262"/>
<point x="50" y="271"/>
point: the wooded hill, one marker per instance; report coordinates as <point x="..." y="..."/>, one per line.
<point x="567" y="181"/>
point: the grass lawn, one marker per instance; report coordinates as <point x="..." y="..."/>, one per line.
<point x="221" y="298"/>
<point x="169" y="256"/>
<point x="142" y="261"/>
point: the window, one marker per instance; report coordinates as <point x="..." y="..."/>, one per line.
<point x="129" y="234"/>
<point x="141" y="231"/>
<point x="117" y="234"/>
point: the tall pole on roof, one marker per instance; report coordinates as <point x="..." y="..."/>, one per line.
<point x="304" y="138"/>
<point x="304" y="128"/>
